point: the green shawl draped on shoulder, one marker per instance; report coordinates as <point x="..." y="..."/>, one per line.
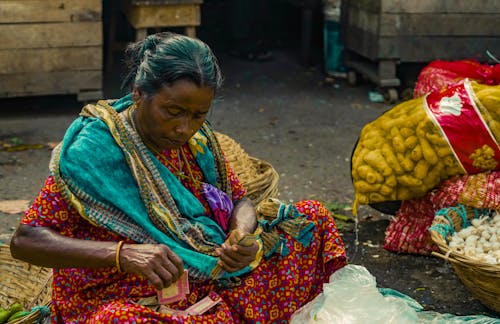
<point x="113" y="180"/>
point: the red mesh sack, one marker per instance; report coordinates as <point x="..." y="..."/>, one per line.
<point x="408" y="230"/>
<point x="439" y="75"/>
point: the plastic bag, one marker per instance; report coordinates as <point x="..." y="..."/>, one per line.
<point x="351" y="297"/>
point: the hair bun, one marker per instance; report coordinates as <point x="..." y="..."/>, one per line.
<point x="149" y="43"/>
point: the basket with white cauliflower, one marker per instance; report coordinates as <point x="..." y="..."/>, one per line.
<point x="469" y="239"/>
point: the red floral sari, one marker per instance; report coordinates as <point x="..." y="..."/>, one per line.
<point x="271" y="293"/>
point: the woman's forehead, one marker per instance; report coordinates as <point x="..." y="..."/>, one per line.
<point x="184" y="92"/>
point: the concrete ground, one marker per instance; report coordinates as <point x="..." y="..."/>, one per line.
<point x="279" y="111"/>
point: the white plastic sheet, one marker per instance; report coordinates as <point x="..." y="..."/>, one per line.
<point x="352" y="297"/>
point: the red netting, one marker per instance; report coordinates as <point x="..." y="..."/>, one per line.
<point x="408" y="230"/>
<point x="441" y="74"/>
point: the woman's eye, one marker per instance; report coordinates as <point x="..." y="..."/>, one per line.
<point x="175" y="112"/>
<point x="200" y="116"/>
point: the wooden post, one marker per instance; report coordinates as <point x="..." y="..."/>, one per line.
<point x="141" y="33"/>
<point x="190" y="31"/>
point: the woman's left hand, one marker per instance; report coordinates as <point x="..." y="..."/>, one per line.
<point x="234" y="257"/>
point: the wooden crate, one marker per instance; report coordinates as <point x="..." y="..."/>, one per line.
<point x="51" y="47"/>
<point x="157" y="14"/>
<point x="386" y="32"/>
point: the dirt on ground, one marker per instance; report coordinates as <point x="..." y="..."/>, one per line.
<point x="281" y="112"/>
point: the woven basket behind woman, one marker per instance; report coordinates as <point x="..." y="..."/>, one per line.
<point x="258" y="177"/>
<point x="23" y="283"/>
<point x="481" y="279"/>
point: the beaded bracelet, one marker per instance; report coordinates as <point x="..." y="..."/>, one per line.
<point x="117" y="255"/>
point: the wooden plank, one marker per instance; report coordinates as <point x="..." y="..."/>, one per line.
<point x="368" y="5"/>
<point x="418" y="48"/>
<point x="364" y="20"/>
<point x="428" y="48"/>
<point x="164" y="16"/>
<point x="51" y="59"/>
<point x="90" y="95"/>
<point x="162" y="2"/>
<point x="426" y="6"/>
<point x="22" y="11"/>
<point x="47" y="35"/>
<point x="46" y="83"/>
<point x="433" y="24"/>
<point x="362" y="42"/>
<point x="376" y="72"/>
<point x="440" y="6"/>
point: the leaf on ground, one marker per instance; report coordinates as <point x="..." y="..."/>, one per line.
<point x="14" y="206"/>
<point x="16" y="141"/>
<point x="23" y="147"/>
<point x="340" y="211"/>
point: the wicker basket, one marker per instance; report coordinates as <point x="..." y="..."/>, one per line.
<point x="258" y="177"/>
<point x="23" y="283"/>
<point x="481" y="279"/>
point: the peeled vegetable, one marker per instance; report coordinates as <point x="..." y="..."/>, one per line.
<point x="479" y="241"/>
<point x="403" y="154"/>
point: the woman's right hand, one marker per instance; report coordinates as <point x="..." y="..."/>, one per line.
<point x="155" y="261"/>
<point x="47" y="248"/>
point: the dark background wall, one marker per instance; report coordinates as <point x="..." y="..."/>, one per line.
<point x="281" y="20"/>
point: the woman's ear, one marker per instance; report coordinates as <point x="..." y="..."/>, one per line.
<point x="136" y="95"/>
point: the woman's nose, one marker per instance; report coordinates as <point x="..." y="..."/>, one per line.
<point x="183" y="127"/>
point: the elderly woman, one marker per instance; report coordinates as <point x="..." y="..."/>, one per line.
<point x="139" y="192"/>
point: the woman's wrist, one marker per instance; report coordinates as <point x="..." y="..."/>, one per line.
<point x="117" y="256"/>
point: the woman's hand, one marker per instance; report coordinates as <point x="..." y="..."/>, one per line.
<point x="233" y="256"/>
<point x="155" y="261"/>
<point x="47" y="248"/>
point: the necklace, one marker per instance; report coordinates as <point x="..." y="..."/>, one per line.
<point x="178" y="171"/>
<point x="197" y="183"/>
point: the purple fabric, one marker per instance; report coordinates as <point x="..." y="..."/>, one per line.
<point x="220" y="203"/>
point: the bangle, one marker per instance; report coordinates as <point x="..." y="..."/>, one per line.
<point x="117" y="256"/>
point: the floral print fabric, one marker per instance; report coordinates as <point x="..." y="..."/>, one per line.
<point x="269" y="294"/>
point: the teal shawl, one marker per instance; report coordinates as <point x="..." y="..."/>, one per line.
<point x="115" y="182"/>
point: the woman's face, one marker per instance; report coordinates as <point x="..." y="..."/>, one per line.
<point x="170" y="118"/>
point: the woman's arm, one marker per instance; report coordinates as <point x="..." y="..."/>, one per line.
<point x="45" y="247"/>
<point x="233" y="257"/>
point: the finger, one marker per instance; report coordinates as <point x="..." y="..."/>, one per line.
<point x="238" y="252"/>
<point x="173" y="271"/>
<point x="230" y="262"/>
<point x="155" y="280"/>
<point x="226" y="267"/>
<point x="226" y="246"/>
<point x="176" y="260"/>
<point x="165" y="276"/>
<point x="247" y="250"/>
